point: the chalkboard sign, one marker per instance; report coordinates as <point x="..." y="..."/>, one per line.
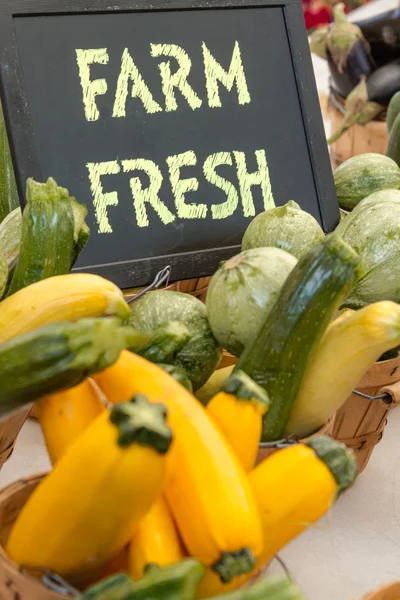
<point x="174" y="122"/>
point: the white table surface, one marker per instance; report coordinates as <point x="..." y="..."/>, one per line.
<point x="353" y="549"/>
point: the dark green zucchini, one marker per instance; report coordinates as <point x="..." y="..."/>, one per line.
<point x="56" y="357"/>
<point x="47" y="238"/>
<point x="175" y="582"/>
<point x="280" y="355"/>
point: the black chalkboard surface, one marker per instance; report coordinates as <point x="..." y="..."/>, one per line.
<point x="174" y="122"/>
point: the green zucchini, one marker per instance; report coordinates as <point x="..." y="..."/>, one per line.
<point x="47" y="236"/>
<point x="9" y="199"/>
<point x="271" y="588"/>
<point x="393" y="148"/>
<point x="56" y="357"/>
<point x="175" y="582"/>
<point x="360" y="176"/>
<point x="279" y="357"/>
<point x="392" y="111"/>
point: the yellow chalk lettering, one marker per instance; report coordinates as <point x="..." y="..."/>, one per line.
<point x="182" y="186"/>
<point x="175" y="80"/>
<point x="101" y="200"/>
<point x="247" y="180"/>
<point x="215" y="73"/>
<point x="129" y="71"/>
<point x="227" y="208"/>
<point x="91" y="89"/>
<point x="150" y="194"/>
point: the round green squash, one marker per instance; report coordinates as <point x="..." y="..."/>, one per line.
<point x="243" y="291"/>
<point x="286" y="227"/>
<point x="373" y="231"/>
<point x="362" y="175"/>
<point x="202" y="353"/>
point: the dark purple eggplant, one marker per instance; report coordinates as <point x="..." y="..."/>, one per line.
<point x="383" y="83"/>
<point x="347" y="52"/>
<point x="358" y="63"/>
<point x="383" y="35"/>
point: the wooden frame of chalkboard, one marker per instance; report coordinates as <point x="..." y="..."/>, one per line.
<point x="128" y="273"/>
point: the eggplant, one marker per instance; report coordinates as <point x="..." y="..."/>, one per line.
<point x="383" y="35"/>
<point x="358" y="63"/>
<point x="383" y="83"/>
<point x="348" y="53"/>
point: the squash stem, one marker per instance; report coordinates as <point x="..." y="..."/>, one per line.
<point x="143" y="423"/>
<point x="337" y="457"/>
<point x="233" y="564"/>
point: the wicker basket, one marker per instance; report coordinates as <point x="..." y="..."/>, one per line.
<point x="360" y="423"/>
<point x="9" y="430"/>
<point x="371" y="137"/>
<point x="390" y="591"/>
<point x="16" y="584"/>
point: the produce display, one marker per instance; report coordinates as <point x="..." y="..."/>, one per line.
<point x="364" y="65"/>
<point x="151" y="494"/>
<point x="158" y="489"/>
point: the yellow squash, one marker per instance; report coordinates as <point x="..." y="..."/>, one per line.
<point x="350" y="346"/>
<point x="293" y="488"/>
<point x="64" y="415"/>
<point x="238" y="410"/>
<point x="207" y="490"/>
<point x="62" y="298"/>
<point x="85" y="511"/>
<point x="156" y="541"/>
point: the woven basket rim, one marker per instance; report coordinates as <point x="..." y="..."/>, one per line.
<point x="11" y="567"/>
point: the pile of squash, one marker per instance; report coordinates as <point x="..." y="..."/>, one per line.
<point x="151" y="494"/>
<point x="154" y="494"/>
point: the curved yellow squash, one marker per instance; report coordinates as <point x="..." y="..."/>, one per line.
<point x="207" y="489"/>
<point x="350" y="346"/>
<point x="65" y="415"/>
<point x="293" y="489"/>
<point x="156" y="541"/>
<point x="85" y="511"/>
<point x="63" y="298"/>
